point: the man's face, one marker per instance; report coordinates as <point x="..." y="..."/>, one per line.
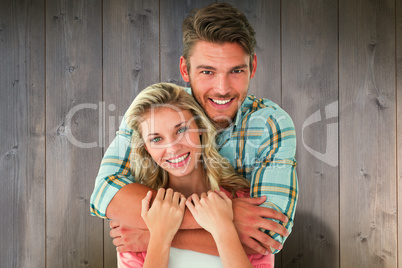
<point x="219" y="76"/>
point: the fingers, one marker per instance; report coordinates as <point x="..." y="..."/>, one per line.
<point x="191" y="201"/>
<point x="113" y="224"/>
<point x="121" y="249"/>
<point x="203" y="195"/>
<point x="262" y="211"/>
<point x="223" y="195"/>
<point x="114" y="233"/>
<point x="254" y="200"/>
<point x="254" y="245"/>
<point x="176" y="198"/>
<point x="145" y="204"/>
<point x="272" y="214"/>
<point x="268" y="224"/>
<point x="160" y="194"/>
<point x="261" y="242"/>
<point x="169" y="195"/>
<point x="190" y="206"/>
<point x="118" y="241"/>
<point x="195" y="199"/>
<point x="266" y="241"/>
<point x="182" y="202"/>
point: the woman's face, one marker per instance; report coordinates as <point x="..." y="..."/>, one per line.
<point x="172" y="138"/>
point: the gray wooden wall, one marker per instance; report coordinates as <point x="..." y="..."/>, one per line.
<point x="70" y="68"/>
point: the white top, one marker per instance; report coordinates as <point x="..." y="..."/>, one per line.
<point x="182" y="258"/>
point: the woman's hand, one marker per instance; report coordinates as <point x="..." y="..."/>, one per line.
<point x="213" y="211"/>
<point x="164" y="217"/>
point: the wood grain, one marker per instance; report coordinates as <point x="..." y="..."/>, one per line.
<point x="399" y="121"/>
<point x="73" y="83"/>
<point x="265" y="17"/>
<point x="94" y="57"/>
<point x="130" y="63"/>
<point x="22" y="134"/>
<point x="172" y="15"/>
<point x="310" y="90"/>
<point x="368" y="201"/>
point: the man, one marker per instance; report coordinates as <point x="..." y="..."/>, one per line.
<point x="257" y="137"/>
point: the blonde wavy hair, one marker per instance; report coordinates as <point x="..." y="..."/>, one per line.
<point x="146" y="171"/>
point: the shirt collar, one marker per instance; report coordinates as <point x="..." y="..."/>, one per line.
<point x="243" y="108"/>
<point x="226" y="133"/>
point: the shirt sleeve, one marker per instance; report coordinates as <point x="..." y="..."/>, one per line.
<point x="131" y="259"/>
<point x="114" y="171"/>
<point x="274" y="174"/>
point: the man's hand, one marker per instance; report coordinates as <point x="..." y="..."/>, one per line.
<point x="128" y="238"/>
<point x="248" y="219"/>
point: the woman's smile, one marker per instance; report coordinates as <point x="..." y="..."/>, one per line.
<point x="179" y="161"/>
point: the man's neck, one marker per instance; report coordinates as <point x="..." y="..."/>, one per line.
<point x="224" y="124"/>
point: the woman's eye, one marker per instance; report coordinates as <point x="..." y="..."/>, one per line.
<point x="181" y="130"/>
<point x="156" y="139"/>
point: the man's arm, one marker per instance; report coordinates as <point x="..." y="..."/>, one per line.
<point x="125" y="207"/>
<point x="115" y="196"/>
<point x="247" y="218"/>
<point x="114" y="172"/>
<point x="129" y="239"/>
<point x="274" y="172"/>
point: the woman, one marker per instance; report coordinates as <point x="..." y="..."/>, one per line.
<point x="174" y="146"/>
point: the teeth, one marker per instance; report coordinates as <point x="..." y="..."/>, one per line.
<point x="178" y="160"/>
<point x="221" y="101"/>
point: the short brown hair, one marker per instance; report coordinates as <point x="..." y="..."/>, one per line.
<point x="218" y="23"/>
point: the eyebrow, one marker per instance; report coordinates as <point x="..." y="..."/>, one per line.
<point x="176" y="126"/>
<point x="242" y="66"/>
<point x="206" y="67"/>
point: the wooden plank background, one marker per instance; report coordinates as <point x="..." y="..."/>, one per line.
<point x="309" y="85"/>
<point x="22" y="134"/>
<point x="69" y="70"/>
<point x="399" y="120"/>
<point x="368" y="134"/>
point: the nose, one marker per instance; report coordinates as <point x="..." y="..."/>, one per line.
<point x="174" y="146"/>
<point x="222" y="85"/>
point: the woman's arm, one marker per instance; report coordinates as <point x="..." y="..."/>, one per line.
<point x="124" y="207"/>
<point x="129" y="234"/>
<point x="213" y="211"/>
<point x="163" y="220"/>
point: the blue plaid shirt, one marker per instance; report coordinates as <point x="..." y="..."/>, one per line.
<point x="260" y="145"/>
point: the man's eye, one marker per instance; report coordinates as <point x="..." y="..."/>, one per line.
<point x="237" y="71"/>
<point x="156" y="139"/>
<point x="206" y="72"/>
<point x="181" y="130"/>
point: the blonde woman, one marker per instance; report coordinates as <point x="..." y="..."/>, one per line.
<point x="173" y="148"/>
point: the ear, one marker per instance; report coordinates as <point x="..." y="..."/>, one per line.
<point x="254" y="66"/>
<point x="183" y="69"/>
